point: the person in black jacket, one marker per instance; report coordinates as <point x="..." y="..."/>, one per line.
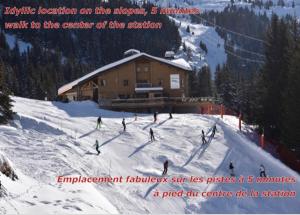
<point x="99" y="122"/>
<point x="124" y="124"/>
<point x="262" y="171"/>
<point x="203" y="138"/>
<point x="231" y="168"/>
<point x="155" y="116"/>
<point x="166" y="165"/>
<point x="97" y="147"/>
<point x="214" y="131"/>
<point x="152" y="135"/>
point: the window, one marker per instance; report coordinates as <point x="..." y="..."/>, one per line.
<point x="138" y="69"/>
<point x="102" y="83"/>
<point x="146" y="69"/>
<point x="125" y="83"/>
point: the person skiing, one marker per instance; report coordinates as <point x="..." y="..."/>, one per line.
<point x="124" y="124"/>
<point x="152" y="135"/>
<point x="231" y="168"/>
<point x="262" y="171"/>
<point x="135" y="117"/>
<point x="203" y="138"/>
<point x="97" y="147"/>
<point x="155" y="116"/>
<point x="99" y="122"/>
<point x="166" y="164"/>
<point x="214" y="131"/>
<point x="170" y="115"/>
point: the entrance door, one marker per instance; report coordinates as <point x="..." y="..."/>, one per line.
<point x="95" y="95"/>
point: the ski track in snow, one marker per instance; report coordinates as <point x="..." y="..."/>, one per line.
<point x="48" y="139"/>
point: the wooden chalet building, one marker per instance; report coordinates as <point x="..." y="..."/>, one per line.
<point x="136" y="81"/>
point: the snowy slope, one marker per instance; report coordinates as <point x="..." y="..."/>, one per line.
<point x="218" y="5"/>
<point x="11" y="41"/>
<point x="216" y="53"/>
<point x="279" y="10"/>
<point x="50" y="139"/>
<point x="198" y="32"/>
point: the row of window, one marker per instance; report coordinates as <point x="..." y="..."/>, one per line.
<point x="145" y="69"/>
<point x="126" y="82"/>
<point x="103" y="83"/>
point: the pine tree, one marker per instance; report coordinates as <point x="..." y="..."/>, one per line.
<point x="204" y="82"/>
<point x="291" y="127"/>
<point x="203" y="46"/>
<point x="189" y="54"/>
<point x="275" y="76"/>
<point x="226" y="87"/>
<point x="193" y="83"/>
<point x="5" y="101"/>
<point x="281" y="3"/>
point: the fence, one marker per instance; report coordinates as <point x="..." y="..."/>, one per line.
<point x="280" y="151"/>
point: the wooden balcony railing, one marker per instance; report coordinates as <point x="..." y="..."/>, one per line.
<point x="157" y="101"/>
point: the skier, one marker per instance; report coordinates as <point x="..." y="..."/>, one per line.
<point x="97" y="147"/>
<point x="155" y="116"/>
<point x="124" y="124"/>
<point x="203" y="138"/>
<point x="99" y="122"/>
<point x="231" y="168"/>
<point x="262" y="171"/>
<point x="152" y="135"/>
<point x="170" y="115"/>
<point x="135" y="117"/>
<point x="166" y="164"/>
<point x="214" y="131"/>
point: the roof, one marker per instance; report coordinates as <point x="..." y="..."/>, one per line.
<point x="132" y="51"/>
<point x="72" y="84"/>
<point x="169" y="54"/>
<point x="181" y="62"/>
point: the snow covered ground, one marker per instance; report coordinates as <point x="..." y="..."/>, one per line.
<point x="50" y="139"/>
<point x="215" y="44"/>
<point x="217" y="5"/>
<point x="287" y="9"/>
<point x="198" y="32"/>
<point x="12" y="40"/>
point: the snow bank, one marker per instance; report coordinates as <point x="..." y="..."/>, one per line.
<point x="6" y="167"/>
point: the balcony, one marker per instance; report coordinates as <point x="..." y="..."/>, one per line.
<point x="147" y="87"/>
<point x="154" y="102"/>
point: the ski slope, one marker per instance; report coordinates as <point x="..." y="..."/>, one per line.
<point x="198" y="32"/>
<point x="50" y="139"/>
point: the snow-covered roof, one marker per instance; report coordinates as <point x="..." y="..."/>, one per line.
<point x="182" y="62"/>
<point x="169" y="54"/>
<point x="132" y="51"/>
<point x="69" y="86"/>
